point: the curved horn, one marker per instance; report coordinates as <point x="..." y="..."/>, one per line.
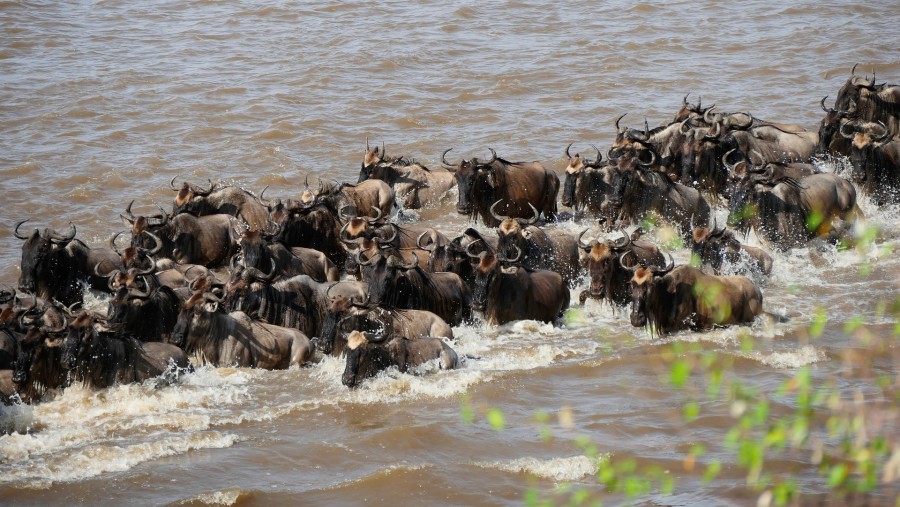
<point x="429" y="247"/>
<point x="706" y="115"/>
<point x="535" y="215"/>
<point x="110" y="278"/>
<point x="16" y="230"/>
<point x="128" y="216"/>
<point x="211" y="296"/>
<point x="264" y="277"/>
<point x="172" y="183"/>
<point x="684" y="101"/>
<point x="514" y="259"/>
<point x="666" y="269"/>
<point x="744" y="126"/>
<point x="567" y="151"/>
<point x="469" y="249"/>
<point x="494" y="214"/>
<point x="849" y="134"/>
<point x="361" y="261"/>
<point x="631" y="268"/>
<point x="586" y="246"/>
<point x="393" y="237"/>
<point x="853" y="70"/>
<point x="725" y="162"/>
<point x="652" y="159"/>
<point x="685" y="123"/>
<point x="345" y="239"/>
<point x="447" y="165"/>
<point x="149" y="270"/>
<point x="60" y="238"/>
<point x="138" y="294"/>
<point x="412" y="265"/>
<point x="599" y="156"/>
<point x="827" y="110"/>
<point x="493" y="158"/>
<point x="157" y="243"/>
<point x="378" y="215"/>
<point x="885" y="136"/>
<point x="617" y="121"/>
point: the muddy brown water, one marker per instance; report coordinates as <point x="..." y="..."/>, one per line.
<point x="104" y="102"/>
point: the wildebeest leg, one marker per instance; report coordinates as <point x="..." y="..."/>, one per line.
<point x="449" y="359"/>
<point x="301" y="351"/>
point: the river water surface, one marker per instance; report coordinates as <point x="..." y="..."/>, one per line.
<point x="104" y="102"/>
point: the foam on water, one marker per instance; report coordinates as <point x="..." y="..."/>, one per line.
<point x="224" y="497"/>
<point x="789" y="359"/>
<point x="572" y="468"/>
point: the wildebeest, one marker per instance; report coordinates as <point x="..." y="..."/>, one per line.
<point x="608" y="276"/>
<point x="307" y="223"/>
<point x="454" y="257"/>
<point x="875" y="156"/>
<point x="720" y="250"/>
<point x="346" y="314"/>
<point x="786" y="212"/>
<point x="101" y="359"/>
<point x="643" y="190"/>
<point x="509" y="293"/>
<point x="55" y="266"/>
<point x="143" y="308"/>
<point x="667" y="299"/>
<point x="588" y="186"/>
<point x="367" y="355"/>
<point x="859" y="99"/>
<point x="38" y="370"/>
<point x="393" y="283"/>
<point x="415" y="185"/>
<point x="540" y="249"/>
<point x="219" y="338"/>
<point x="520" y="185"/>
<point x="207" y="240"/>
<point x="228" y="200"/>
<point x="363" y="198"/>
<point x="258" y="251"/>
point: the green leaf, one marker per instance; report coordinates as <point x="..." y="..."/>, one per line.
<point x="691" y="411"/>
<point x="712" y="470"/>
<point x="820" y="318"/>
<point x="495" y="419"/>
<point x="837" y="475"/>
<point x="679" y="373"/>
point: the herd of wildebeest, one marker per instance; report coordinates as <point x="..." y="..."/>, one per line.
<point x="230" y="278"/>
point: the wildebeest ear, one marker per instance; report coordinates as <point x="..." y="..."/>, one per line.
<point x="511" y="270"/>
<point x="211" y="306"/>
<point x="526" y="234"/>
<point x="54" y="343"/>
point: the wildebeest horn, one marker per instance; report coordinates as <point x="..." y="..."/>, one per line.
<point x="157" y="243"/>
<point x="128" y="216"/>
<point x="110" y="277"/>
<point x="172" y="183"/>
<point x="259" y="275"/>
<point x="492" y="160"/>
<point x="138" y="294"/>
<point x="260" y="198"/>
<point x="378" y="215"/>
<point x="586" y="246"/>
<point x="112" y="242"/>
<point x="149" y="270"/>
<point x="725" y="162"/>
<point x="425" y="247"/>
<point x="469" y="249"/>
<point x="60" y="238"/>
<point x="567" y="151"/>
<point x="518" y="256"/>
<point x="16" y="230"/>
<point x="714" y="131"/>
<point x="447" y="165"/>
<point x="625" y="241"/>
<point x="631" y="268"/>
<point x="685" y="123"/>
<point x="413" y="264"/>
<point x="345" y="239"/>
<point x="393" y="237"/>
<point x="661" y="271"/>
<point x="361" y="260"/>
<point x="599" y="156"/>
<point x="212" y="297"/>
<point x="886" y="135"/>
<point x="853" y="70"/>
<point x="684" y="101"/>
<point x="494" y="214"/>
<point x="742" y="126"/>
<point x="535" y="215"/>
<point x="618" y="120"/>
<point x="827" y="110"/>
<point x="845" y="133"/>
<point x="344" y="215"/>
<point x="706" y="115"/>
<point x="652" y="158"/>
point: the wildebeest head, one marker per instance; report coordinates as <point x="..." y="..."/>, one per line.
<point x="709" y="245"/>
<point x="602" y="259"/>
<point x="195" y="317"/>
<point x="41" y="253"/>
<point x="149" y="233"/>
<point x="574" y="175"/>
<point x="244" y="280"/>
<point x="831" y="125"/>
<point x="79" y="333"/>
<point x="641" y="284"/>
<point x="384" y="275"/>
<point x="745" y="183"/>
<point x="470" y="174"/>
<point x="36" y="337"/>
<point x="513" y="233"/>
<point x="190" y="198"/>
<point x="865" y="138"/>
<point x="689" y="110"/>
<point x="487" y="270"/>
<point x="366" y="356"/>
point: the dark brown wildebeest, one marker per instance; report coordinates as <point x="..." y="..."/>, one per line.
<point x="415" y="185"/>
<point x="228" y="200"/>
<point x="509" y="293"/>
<point x="361" y="199"/>
<point x="209" y="240"/>
<point x="346" y="314"/>
<point x="875" y="155"/>
<point x="38" y="370"/>
<point x="368" y="354"/>
<point x="259" y="251"/>
<point x="644" y="190"/>
<point x="306" y="223"/>
<point x="234" y="339"/>
<point x="100" y="359"/>
<point x="667" y="299"/>
<point x="787" y="212"/>
<point x="588" y="186"/>
<point x="453" y="256"/>
<point x="859" y="99"/>
<point x="56" y="266"/>
<point x="555" y="251"/>
<point x="393" y="284"/>
<point x="520" y="185"/>
<point x="609" y="277"/>
<point x="723" y="252"/>
<point x="143" y="308"/>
